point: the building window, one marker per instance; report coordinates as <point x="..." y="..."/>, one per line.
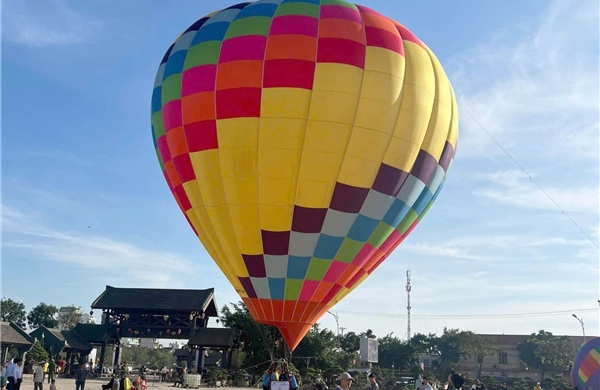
<point x="502" y="357"/>
<point x="479" y="359"/>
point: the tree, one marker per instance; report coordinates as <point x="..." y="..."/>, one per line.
<point x="42" y="314"/>
<point x="395" y="352"/>
<point x="259" y="342"/>
<point x="425" y="343"/>
<point x="545" y="351"/>
<point x="368" y="334"/>
<point x="37" y="352"/>
<point x="321" y="344"/>
<point x="150" y="357"/>
<point x="453" y="345"/>
<point x="350" y="342"/>
<point x="69" y="318"/>
<point x="480" y="347"/>
<point x="13" y="311"/>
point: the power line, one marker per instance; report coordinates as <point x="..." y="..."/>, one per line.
<point x="473" y="316"/>
<point x="529" y="176"/>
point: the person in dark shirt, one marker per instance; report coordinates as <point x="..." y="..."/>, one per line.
<point x="81" y="376"/>
<point x="372" y="383"/>
<point x="457" y="380"/>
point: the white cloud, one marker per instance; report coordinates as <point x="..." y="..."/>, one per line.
<point x="27" y="234"/>
<point x="43" y="23"/>
<point x="514" y="188"/>
<point x="534" y="88"/>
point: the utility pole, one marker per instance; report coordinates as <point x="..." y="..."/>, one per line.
<point x="408" y="304"/>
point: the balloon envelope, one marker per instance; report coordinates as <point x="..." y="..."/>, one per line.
<point x="303" y="140"/>
<point x="586" y="368"/>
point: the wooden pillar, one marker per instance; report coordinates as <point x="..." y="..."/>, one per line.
<point x="102" y="353"/>
<point x="117" y="359"/>
<point x="229" y="358"/>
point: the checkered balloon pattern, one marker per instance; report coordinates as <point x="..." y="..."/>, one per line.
<point x="585" y="373"/>
<point x="303" y="140"/>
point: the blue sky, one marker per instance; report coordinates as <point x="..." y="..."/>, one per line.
<point x="84" y="203"/>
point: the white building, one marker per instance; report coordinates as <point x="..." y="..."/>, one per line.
<point x="87" y="319"/>
<point x="66" y="311"/>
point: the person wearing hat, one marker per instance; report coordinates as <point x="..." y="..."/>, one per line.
<point x="14" y="374"/>
<point x="38" y="376"/>
<point x="372" y="383"/>
<point x="345" y="381"/>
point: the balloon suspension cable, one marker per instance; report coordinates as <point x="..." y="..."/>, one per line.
<point x="529" y="176"/>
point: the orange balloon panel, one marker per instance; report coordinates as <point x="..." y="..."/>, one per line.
<point x="303" y="140"/>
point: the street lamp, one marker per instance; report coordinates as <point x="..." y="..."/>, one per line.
<point x="582" y="327"/>
<point x="337" y="322"/>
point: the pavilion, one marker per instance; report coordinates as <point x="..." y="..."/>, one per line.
<point x="161" y="314"/>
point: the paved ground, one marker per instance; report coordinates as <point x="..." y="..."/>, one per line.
<point x="95" y="384"/>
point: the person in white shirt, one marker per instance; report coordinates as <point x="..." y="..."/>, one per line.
<point x="14" y="374"/>
<point x="426" y="385"/>
<point x="38" y="376"/>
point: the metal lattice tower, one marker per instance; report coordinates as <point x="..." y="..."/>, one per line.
<point x="408" y="304"/>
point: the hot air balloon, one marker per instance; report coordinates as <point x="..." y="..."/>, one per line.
<point x="303" y="140"/>
<point x="585" y="373"/>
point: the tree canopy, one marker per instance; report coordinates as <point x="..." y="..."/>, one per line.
<point x="13" y="311"/>
<point x="545" y="351"/>
<point x="44" y="315"/>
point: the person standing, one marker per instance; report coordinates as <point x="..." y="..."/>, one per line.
<point x="345" y="381"/>
<point x="372" y="382"/>
<point x="38" y="376"/>
<point x="426" y="385"/>
<point x="419" y="382"/>
<point x="286" y="375"/>
<point x="80" y="377"/>
<point x="3" y="380"/>
<point x="51" y="370"/>
<point x="14" y="374"/>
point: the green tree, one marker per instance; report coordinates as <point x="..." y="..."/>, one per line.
<point x="259" y="342"/>
<point x="491" y="383"/>
<point x="395" y="352"/>
<point x="425" y="343"/>
<point x="453" y="345"/>
<point x="320" y="344"/>
<point x="350" y="342"/>
<point x="70" y="318"/>
<point x="481" y="347"/>
<point x="368" y="334"/>
<point x="42" y="314"/>
<point x="150" y="357"/>
<point x="13" y="311"/>
<point x="37" y="352"/>
<point x="545" y="351"/>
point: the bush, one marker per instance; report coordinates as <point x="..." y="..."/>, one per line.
<point x="37" y="353"/>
